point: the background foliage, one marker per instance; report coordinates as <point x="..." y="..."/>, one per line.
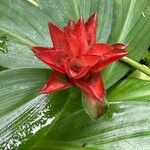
<point x="57" y="121"/>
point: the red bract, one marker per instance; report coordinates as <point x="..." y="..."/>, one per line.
<point x="77" y="59"/>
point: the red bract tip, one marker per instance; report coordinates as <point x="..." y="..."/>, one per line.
<point x="91" y="28"/>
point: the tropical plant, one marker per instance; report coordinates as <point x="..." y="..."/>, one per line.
<point x="29" y="120"/>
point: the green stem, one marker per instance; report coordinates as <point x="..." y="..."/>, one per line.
<point x="136" y="65"/>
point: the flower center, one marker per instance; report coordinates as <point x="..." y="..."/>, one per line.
<point x="76" y="66"/>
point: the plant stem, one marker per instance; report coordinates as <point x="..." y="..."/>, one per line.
<point x="136" y="65"/>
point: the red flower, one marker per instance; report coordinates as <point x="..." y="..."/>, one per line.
<point x="77" y="59"/>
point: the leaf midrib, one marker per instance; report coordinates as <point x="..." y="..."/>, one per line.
<point x="20" y="39"/>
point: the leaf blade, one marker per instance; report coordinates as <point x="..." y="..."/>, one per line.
<point x="131" y="89"/>
<point x="115" y="129"/>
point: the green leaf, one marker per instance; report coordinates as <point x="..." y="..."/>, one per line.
<point x="67" y="126"/>
<point x="21" y="107"/>
<point x="22" y="22"/>
<point x="120" y="128"/>
<point x="66" y="9"/>
<point x="131" y="89"/>
<point x="131" y="26"/>
<point x="23" y="111"/>
<point x="69" y="104"/>
<point x="19" y="56"/>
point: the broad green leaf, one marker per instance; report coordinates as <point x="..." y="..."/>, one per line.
<point x="64" y="10"/>
<point x="120" y="128"/>
<point x="23" y="25"/>
<point x="22" y="22"/>
<point x="75" y="130"/>
<point x="19" y="56"/>
<point x="19" y="104"/>
<point x="71" y="103"/>
<point x="22" y="110"/>
<point x="131" y="89"/>
<point x="131" y="26"/>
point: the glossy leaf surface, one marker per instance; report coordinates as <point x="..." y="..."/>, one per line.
<point x="120" y="128"/>
<point x="131" y="89"/>
<point x="23" y="112"/>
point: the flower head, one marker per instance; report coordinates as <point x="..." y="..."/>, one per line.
<point x="76" y="58"/>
